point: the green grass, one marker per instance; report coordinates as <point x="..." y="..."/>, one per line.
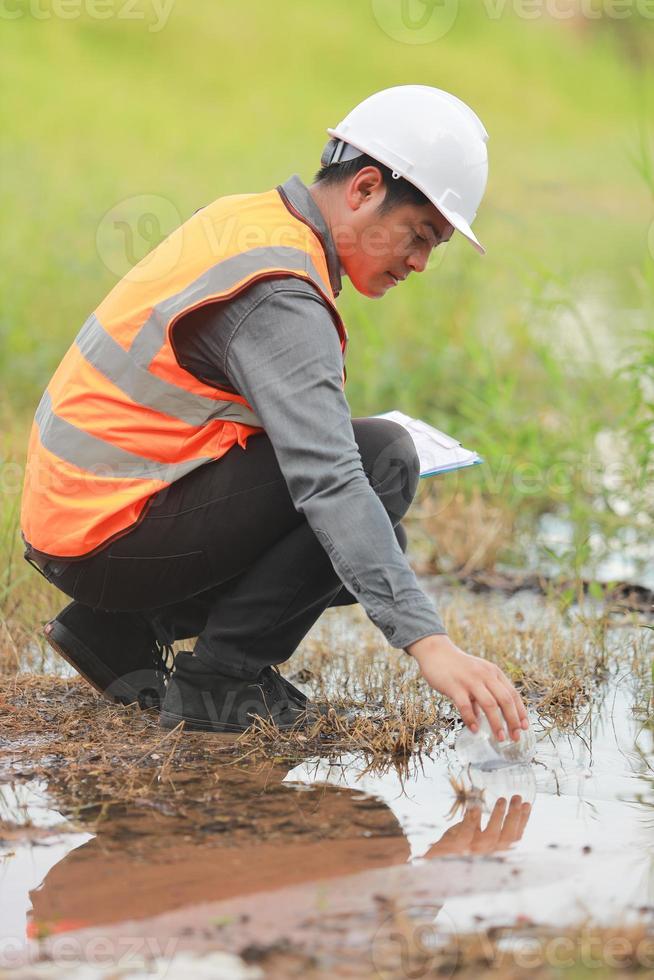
<point x="515" y="352"/>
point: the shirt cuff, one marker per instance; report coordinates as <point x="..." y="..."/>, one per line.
<point x="408" y="619"/>
<point x="407" y="622"/>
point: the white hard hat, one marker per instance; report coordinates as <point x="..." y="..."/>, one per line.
<point x="429" y="137"/>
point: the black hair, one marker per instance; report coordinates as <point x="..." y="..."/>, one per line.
<point x="398" y="191"/>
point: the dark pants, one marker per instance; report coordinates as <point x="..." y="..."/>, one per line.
<point x="222" y="554"/>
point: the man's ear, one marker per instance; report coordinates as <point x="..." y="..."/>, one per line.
<point x="367" y="183"/>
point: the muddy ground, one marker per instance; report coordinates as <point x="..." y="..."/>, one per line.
<point x="368" y="849"/>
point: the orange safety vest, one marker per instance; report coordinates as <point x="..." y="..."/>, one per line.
<point x="121" y="419"/>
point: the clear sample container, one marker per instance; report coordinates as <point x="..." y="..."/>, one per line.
<point x="503" y="782"/>
<point x="482" y="750"/>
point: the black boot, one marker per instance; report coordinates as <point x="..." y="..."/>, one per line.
<point x="313" y="708"/>
<point x="210" y="702"/>
<point x="293" y="692"/>
<point x="116" y="652"/>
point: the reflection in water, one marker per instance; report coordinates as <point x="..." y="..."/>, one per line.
<point x="552" y="841"/>
<point x="259" y="834"/>
<point x="505" y="827"/>
<point x="33" y="839"/>
<point x="256" y="834"/>
<point x="586" y="848"/>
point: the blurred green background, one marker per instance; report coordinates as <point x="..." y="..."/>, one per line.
<point x="119" y="120"/>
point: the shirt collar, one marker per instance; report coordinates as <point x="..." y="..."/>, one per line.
<point x="297" y="194"/>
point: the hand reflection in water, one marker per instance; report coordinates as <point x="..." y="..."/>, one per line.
<point x="503" y="829"/>
<point x="258" y="835"/>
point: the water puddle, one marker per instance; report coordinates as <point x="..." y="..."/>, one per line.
<point x="626" y="557"/>
<point x="574" y="827"/>
<point x="564" y="839"/>
<point x="34" y="838"/>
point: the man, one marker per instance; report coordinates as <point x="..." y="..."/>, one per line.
<point x="193" y="469"/>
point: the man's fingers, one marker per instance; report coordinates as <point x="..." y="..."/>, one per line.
<point x="466" y="710"/>
<point x="488" y="704"/>
<point x="472" y="819"/>
<point x="520" y="707"/>
<point x="498" y="700"/>
<point x="514" y="823"/>
<point x="491" y="834"/>
<point x="525" y="813"/>
<point x="504" y="697"/>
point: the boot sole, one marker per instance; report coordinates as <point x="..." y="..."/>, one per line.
<point x="91" y="668"/>
<point x="170" y="721"/>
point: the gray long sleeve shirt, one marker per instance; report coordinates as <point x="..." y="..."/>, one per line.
<point x="276" y="344"/>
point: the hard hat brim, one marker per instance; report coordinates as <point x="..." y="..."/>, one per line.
<point x="461" y="225"/>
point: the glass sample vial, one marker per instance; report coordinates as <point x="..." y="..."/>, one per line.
<point x="482" y="749"/>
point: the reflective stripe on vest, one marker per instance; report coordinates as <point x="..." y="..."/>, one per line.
<point x="118" y="366"/>
<point x="219" y="279"/>
<point x="121" y="419"/>
<point x="99" y="457"/>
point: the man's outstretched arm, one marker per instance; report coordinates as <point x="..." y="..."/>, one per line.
<point x="279" y="348"/>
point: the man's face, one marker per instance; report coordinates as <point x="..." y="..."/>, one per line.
<point x="378" y="251"/>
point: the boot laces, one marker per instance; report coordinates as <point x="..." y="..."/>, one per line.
<point x="274" y="682"/>
<point x="164" y="656"/>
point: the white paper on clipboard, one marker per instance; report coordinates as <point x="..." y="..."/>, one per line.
<point x="437" y="452"/>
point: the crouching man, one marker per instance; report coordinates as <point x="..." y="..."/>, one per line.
<point x="193" y="468"/>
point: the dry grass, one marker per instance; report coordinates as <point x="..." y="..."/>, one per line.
<point x="419" y="947"/>
<point x="98" y="758"/>
<point x="458" y="533"/>
<point x="91" y="750"/>
<point x="641" y="671"/>
<point x="27" y="601"/>
<point x="555" y="660"/>
<point x="466" y="795"/>
<point x="382" y="708"/>
<point x="385" y="736"/>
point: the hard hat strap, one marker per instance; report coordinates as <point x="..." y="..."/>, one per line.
<point x="337" y="151"/>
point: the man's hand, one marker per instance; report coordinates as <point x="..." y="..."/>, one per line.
<point x="471" y="683"/>
<point x="504" y="828"/>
